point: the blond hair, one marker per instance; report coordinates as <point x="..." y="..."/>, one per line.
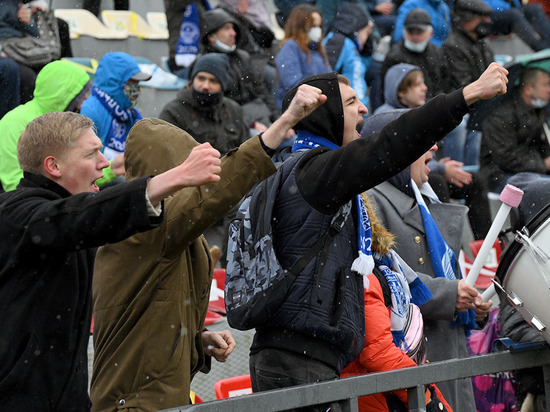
<point x="51" y="134"/>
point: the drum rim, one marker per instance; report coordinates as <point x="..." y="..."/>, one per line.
<point x="509" y="254"/>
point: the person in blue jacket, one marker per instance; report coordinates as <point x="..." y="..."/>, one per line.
<point x="345" y="43"/>
<point x="439" y="14"/>
<point x="301" y="52"/>
<point x="111" y="105"/>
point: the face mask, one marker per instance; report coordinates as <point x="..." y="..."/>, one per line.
<point x="224" y="48"/>
<point x="315" y="34"/>
<point x="483" y="29"/>
<point x="538" y="103"/>
<point x="206" y="99"/>
<point x="415" y="47"/>
<point x="132" y="91"/>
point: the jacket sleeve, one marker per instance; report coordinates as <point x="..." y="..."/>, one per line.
<point x="500" y="137"/>
<point x="192" y="210"/>
<point x="380" y="353"/>
<point x="356" y="167"/>
<point x="87" y="220"/>
<point x="289" y="66"/>
<point x="442" y="305"/>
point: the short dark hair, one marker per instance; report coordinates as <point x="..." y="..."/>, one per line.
<point x="530" y="75"/>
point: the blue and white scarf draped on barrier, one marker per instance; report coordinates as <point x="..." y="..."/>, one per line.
<point x="406" y="288"/>
<point x="190" y="34"/>
<point x="442" y="256"/>
<point x="120" y="126"/>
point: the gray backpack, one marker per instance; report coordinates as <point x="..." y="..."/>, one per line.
<point x="255" y="283"/>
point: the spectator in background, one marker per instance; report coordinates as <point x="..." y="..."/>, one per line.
<point x="258" y="38"/>
<point x="513" y="139"/>
<point x="467" y="54"/>
<point x="344" y="45"/>
<point x="301" y="53"/>
<point x="202" y="109"/>
<point x="112" y="103"/>
<point x="415" y="48"/>
<point x="184" y="33"/>
<point x="93" y="6"/>
<point x="60" y="86"/>
<point x="440" y="17"/>
<point x="528" y="22"/>
<point x="220" y="33"/>
<point x="17" y="19"/>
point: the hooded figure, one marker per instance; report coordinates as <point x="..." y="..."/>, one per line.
<point x="396" y="205"/>
<point x="244" y="85"/>
<point x="344" y="52"/>
<point x="151" y="291"/>
<point x="114" y="95"/>
<point x="394" y="76"/>
<point x="60" y="86"/>
<point x="319" y="327"/>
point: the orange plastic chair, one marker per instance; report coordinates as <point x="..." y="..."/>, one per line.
<point x="235" y="386"/>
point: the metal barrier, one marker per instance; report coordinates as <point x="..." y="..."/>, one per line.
<point x="347" y="390"/>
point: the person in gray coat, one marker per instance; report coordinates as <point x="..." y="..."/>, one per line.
<point x="428" y="237"/>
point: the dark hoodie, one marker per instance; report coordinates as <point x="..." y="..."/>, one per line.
<point x="349" y="19"/>
<point x="243" y="86"/>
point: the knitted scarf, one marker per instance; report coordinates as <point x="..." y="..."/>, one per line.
<point x="442" y="256"/>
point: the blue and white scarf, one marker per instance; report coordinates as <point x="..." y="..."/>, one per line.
<point x="364" y="263"/>
<point x="442" y="256"/>
<point x="190" y="34"/>
<point x="405" y="288"/>
<point x="122" y="121"/>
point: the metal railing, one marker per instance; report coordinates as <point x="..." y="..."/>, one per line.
<point x="347" y="390"/>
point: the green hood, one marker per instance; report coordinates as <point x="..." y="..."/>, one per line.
<point x="57" y="84"/>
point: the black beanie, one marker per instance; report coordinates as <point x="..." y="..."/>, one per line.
<point x="216" y="64"/>
<point x="327" y="120"/>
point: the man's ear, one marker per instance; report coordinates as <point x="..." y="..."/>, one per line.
<point x="51" y="166"/>
<point x="211" y="37"/>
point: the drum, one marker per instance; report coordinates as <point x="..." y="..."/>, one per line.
<point x="523" y="274"/>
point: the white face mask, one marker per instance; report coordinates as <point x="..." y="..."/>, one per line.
<point x="315" y="34"/>
<point x="538" y="103"/>
<point x="224" y="47"/>
<point x="415" y="47"/>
